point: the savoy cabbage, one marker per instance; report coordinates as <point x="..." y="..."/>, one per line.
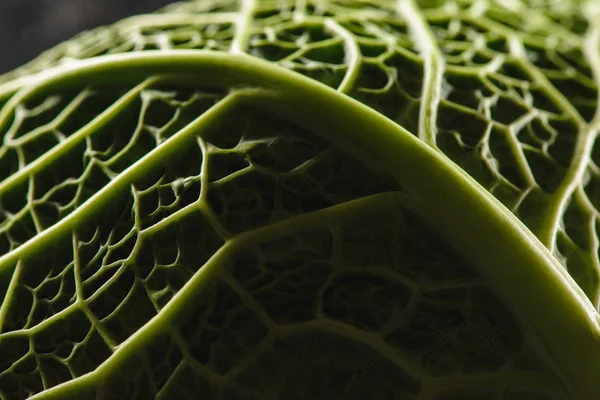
<point x="309" y="199"/>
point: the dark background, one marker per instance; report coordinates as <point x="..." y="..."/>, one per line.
<point x="28" y="27"/>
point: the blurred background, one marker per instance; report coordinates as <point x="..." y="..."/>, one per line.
<point x="28" y="27"/>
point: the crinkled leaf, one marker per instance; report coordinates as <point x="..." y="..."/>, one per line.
<point x="162" y="236"/>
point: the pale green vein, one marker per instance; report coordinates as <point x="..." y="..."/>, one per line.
<point x="65" y="113"/>
<point x="199" y="368"/>
<point x="344" y="330"/>
<point x="537" y="20"/>
<point x="581" y="154"/>
<point x="511" y="134"/>
<point x="171" y="384"/>
<point x="560" y="198"/>
<point x="518" y="53"/>
<point x="201" y="204"/>
<point x="135" y="171"/>
<point x="352" y="57"/>
<point x="204" y="169"/>
<point x="180" y="302"/>
<point x="121" y="266"/>
<point x="97" y="324"/>
<point x="137" y="22"/>
<point x="106" y="289"/>
<point x="11" y="87"/>
<point x="246" y="298"/>
<point x="9" y="296"/>
<point x="32" y="212"/>
<point x="126" y="27"/>
<point x="485" y="22"/>
<point x="582" y="198"/>
<point x="171" y="219"/>
<point x="38" y="364"/>
<point x="591" y="49"/>
<point x="319" y="217"/>
<point x="72" y="141"/>
<point x="47" y="323"/>
<point x="243" y="26"/>
<point x="133" y="141"/>
<point x="204" y="182"/>
<point x="427" y="46"/>
<point x="299" y="10"/>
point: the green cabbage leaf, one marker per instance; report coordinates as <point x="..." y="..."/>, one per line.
<point x="309" y="199"/>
